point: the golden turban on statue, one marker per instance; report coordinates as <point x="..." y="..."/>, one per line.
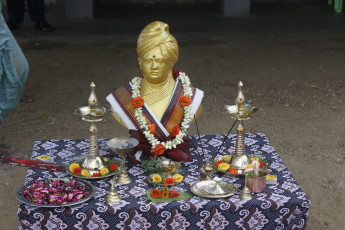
<point x="156" y="34"/>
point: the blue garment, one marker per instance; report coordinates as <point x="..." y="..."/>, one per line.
<point x="13" y="69"/>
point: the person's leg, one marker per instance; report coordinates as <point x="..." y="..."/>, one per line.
<point x="36" y="11"/>
<point x="15" y="12"/>
<point x="21" y="66"/>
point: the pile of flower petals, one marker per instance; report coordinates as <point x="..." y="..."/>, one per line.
<point x="55" y="192"/>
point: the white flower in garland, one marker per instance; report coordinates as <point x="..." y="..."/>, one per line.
<point x="148" y="130"/>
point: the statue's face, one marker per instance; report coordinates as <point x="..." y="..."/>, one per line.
<point x="154" y="66"/>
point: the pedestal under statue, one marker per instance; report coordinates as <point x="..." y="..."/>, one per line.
<point x="158" y="107"/>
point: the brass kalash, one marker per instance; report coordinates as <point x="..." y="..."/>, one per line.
<point x="124" y="146"/>
<point x="92" y="113"/>
<point x="241" y="112"/>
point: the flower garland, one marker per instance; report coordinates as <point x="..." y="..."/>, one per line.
<point x="149" y="129"/>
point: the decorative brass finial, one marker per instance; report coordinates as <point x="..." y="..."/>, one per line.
<point x="240" y="98"/>
<point x="93" y="101"/>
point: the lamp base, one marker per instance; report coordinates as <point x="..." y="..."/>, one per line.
<point x="113" y="197"/>
<point x="240" y="162"/>
<point x="246" y="194"/>
<point x="93" y="163"/>
<point x="123" y="178"/>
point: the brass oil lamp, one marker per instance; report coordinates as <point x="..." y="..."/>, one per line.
<point x="241" y="112"/>
<point x="92" y="113"/>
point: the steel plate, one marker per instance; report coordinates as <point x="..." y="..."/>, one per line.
<point x="199" y="189"/>
<point x="90" y="187"/>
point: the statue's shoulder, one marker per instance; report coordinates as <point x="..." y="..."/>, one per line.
<point x="122" y="87"/>
<point x="126" y="87"/>
<point x="124" y="90"/>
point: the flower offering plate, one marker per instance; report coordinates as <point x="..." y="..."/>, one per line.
<point x="228" y="169"/>
<point x="91" y="178"/>
<point x="87" y="184"/>
<point x="163" y="176"/>
<point x="199" y="189"/>
<point x="107" y="163"/>
<point x="222" y="164"/>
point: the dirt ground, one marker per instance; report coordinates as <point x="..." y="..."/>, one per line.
<point x="291" y="59"/>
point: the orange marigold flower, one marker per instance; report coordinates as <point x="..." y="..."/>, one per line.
<point x="152" y="128"/>
<point x="137" y="102"/>
<point x="185" y="101"/>
<point x="218" y="163"/>
<point x="169" y="181"/>
<point x="176" y="130"/>
<point x="77" y="171"/>
<point x="232" y="170"/>
<point x="113" y="167"/>
<point x="159" y="149"/>
<point x="173" y="194"/>
<point x="155" y="193"/>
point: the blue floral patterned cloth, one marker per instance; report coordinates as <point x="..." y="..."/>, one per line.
<point x="282" y="206"/>
<point x="13" y="69"/>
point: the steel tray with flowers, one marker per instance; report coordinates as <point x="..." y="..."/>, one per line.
<point x="55" y="192"/>
<point x="222" y="164"/>
<point x="165" y="179"/>
<point x="110" y="168"/>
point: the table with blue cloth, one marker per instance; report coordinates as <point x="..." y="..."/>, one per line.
<point x="283" y="205"/>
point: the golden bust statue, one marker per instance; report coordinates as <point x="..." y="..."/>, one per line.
<point x="153" y="107"/>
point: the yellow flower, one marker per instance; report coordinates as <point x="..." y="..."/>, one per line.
<point x="104" y="171"/>
<point x="73" y="166"/>
<point x="253" y="158"/>
<point x="249" y="166"/>
<point x="85" y="173"/>
<point x="105" y="159"/>
<point x="156" y="178"/>
<point x="178" y="177"/>
<point x="226" y="159"/>
<point x="223" y="166"/>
